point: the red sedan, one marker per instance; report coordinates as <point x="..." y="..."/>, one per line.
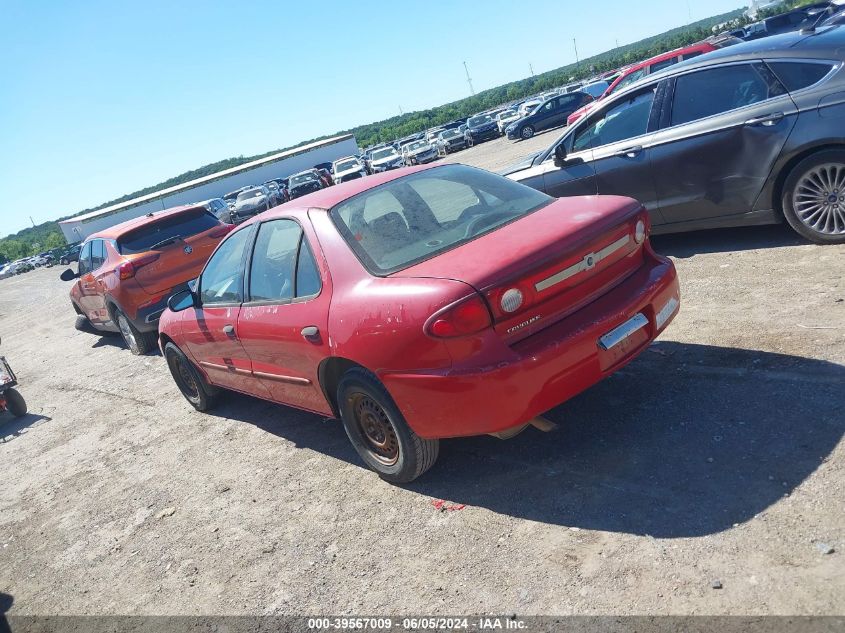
<point x="421" y="304"/>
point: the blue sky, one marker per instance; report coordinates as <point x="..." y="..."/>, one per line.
<point x="99" y="99"/>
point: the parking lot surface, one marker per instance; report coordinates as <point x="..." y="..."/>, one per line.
<point x="714" y="460"/>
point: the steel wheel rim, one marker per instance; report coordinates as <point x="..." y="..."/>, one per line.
<point x="819" y="199"/>
<point x="126" y="332"/>
<point x="185" y="379"/>
<point x="376" y="429"/>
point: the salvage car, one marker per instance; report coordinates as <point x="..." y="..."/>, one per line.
<point x="419" y="153"/>
<point x="480" y="128"/>
<point x="384" y="159"/>
<point x="746" y="135"/>
<point x="348" y="168"/>
<point x="253" y="200"/>
<point x="449" y="141"/>
<point x="503" y="119"/>
<point x="549" y="114"/>
<point x="304" y="182"/>
<point x="421" y="304"/>
<point x="127" y="272"/>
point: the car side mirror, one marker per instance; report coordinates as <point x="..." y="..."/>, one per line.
<point x="68" y="275"/>
<point x="560" y="155"/>
<point x="182" y="300"/>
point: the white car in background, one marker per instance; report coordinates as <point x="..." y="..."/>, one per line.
<point x="529" y="106"/>
<point x="347" y="168"/>
<point x="384" y="159"/>
<point x="504" y="119"/>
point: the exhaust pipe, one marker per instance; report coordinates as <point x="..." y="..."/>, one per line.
<point x="540" y="423"/>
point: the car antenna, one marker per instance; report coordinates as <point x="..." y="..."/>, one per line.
<point x="809" y="30"/>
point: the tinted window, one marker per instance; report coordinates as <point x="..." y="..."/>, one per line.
<point x="98" y="254"/>
<point x="166" y="230"/>
<point x="85" y="259"/>
<point x="664" y="64"/>
<point x="394" y="225"/>
<point x="222" y="278"/>
<point x="716" y="90"/>
<point x="623" y="121"/>
<point x="693" y="54"/>
<point x="797" y="75"/>
<point x="271" y="275"/>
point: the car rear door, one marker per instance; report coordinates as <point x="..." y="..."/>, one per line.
<point x="99" y="270"/>
<point x="210" y="330"/>
<point x="85" y="284"/>
<point x="284" y="323"/>
<point x="718" y="141"/>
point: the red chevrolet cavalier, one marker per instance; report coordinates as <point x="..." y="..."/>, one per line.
<point x="421" y="304"/>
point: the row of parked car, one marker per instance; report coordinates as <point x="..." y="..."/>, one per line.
<point x="378" y="299"/>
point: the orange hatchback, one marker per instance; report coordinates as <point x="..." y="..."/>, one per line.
<point x="127" y="272"/>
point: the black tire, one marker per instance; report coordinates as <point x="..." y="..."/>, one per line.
<point x="139" y="343"/>
<point x="64" y="261"/>
<point x="526" y="132"/>
<point x="15" y="403"/>
<point x="388" y="445"/>
<point x="829" y="227"/>
<point x="190" y="381"/>
<point x="83" y="324"/>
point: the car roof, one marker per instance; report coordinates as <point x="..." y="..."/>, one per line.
<point x="824" y="43"/>
<point x="114" y="232"/>
<point x="332" y="196"/>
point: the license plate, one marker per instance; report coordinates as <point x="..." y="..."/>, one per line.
<point x="621" y="332"/>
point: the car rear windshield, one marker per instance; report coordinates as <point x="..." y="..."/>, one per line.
<point x="414" y="218"/>
<point x="478" y="120"/>
<point x="298" y="180"/>
<point x="166" y="229"/>
<point x="382" y="153"/>
<point x="249" y="194"/>
<point x="347" y="164"/>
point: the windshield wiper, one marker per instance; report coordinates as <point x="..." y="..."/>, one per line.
<point x="166" y="241"/>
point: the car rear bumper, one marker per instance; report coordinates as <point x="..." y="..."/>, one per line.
<point x="544" y="370"/>
<point x="148" y="313"/>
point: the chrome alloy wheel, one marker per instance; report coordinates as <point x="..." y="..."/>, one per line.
<point x="819" y="199"/>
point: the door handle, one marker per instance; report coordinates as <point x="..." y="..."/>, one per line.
<point x="229" y="329"/>
<point x="767" y="120"/>
<point x="310" y="332"/>
<point x="630" y="152"/>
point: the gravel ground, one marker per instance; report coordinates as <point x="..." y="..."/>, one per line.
<point x="715" y="458"/>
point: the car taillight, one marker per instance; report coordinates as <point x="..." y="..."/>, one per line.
<point x="465" y="317"/>
<point x="128" y="269"/>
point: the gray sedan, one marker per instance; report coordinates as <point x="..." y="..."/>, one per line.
<point x="750" y="134"/>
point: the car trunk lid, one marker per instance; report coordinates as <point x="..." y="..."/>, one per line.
<point x="560" y="258"/>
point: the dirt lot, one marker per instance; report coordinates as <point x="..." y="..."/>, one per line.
<point x="717" y="456"/>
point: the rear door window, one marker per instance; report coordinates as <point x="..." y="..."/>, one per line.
<point x="657" y="66"/>
<point x="164" y="231"/>
<point x="798" y="75"/>
<point x="716" y="90"/>
<point x="282" y="264"/>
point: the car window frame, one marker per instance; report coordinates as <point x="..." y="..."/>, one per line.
<point x="568" y="137"/>
<point x="651" y="124"/>
<point x="835" y="66"/>
<point x="666" y="119"/>
<point x="87" y="260"/>
<point x="247" y="248"/>
<point x="248" y="300"/>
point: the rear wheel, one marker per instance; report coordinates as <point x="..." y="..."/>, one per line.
<point x="814" y="197"/>
<point x="527" y="132"/>
<point x="15" y="403"/>
<point x="193" y="386"/>
<point x="378" y="430"/>
<point x="139" y="343"/>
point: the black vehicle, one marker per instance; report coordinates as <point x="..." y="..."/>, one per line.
<point x="304" y="182"/>
<point x="10" y="398"/>
<point x="553" y="112"/>
<point x="749" y="134"/>
<point x="70" y="255"/>
<point x="481" y="127"/>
